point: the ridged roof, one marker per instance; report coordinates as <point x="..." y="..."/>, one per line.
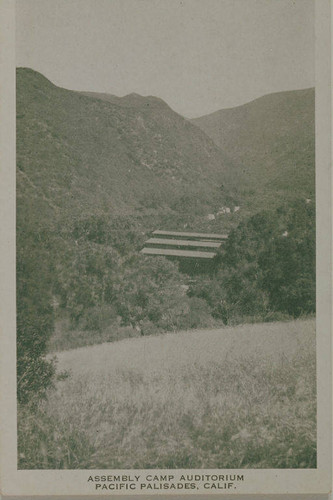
<point x="200" y="236"/>
<point x="183" y="243"/>
<point x="167" y="252"/>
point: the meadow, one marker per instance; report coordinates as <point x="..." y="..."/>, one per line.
<point x="236" y="397"/>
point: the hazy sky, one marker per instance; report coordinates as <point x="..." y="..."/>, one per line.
<point x="197" y="55"/>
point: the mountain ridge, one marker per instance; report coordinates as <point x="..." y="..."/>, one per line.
<point x="87" y="154"/>
<point x="270" y="95"/>
<point x="132" y="100"/>
<point x="270" y="140"/>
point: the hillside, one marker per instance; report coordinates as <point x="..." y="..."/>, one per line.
<point x="82" y="153"/>
<point x="89" y="166"/>
<point x="95" y="177"/>
<point x="271" y="142"/>
<point x="241" y="397"/>
<point x="87" y="153"/>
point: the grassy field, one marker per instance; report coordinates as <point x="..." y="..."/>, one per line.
<point x="241" y="397"/>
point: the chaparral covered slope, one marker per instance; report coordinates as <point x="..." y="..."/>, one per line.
<point x="271" y="142"/>
<point x="90" y="152"/>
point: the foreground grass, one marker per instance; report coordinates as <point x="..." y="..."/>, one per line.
<point x="241" y="397"/>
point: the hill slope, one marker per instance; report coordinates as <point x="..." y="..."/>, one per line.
<point x="272" y="142"/>
<point x="88" y="153"/>
<point x="240" y="397"/>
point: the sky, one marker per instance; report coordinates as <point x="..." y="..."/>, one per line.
<point x="197" y="55"/>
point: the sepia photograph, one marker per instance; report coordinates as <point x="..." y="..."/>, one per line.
<point x="166" y="285"/>
<point x="165" y="234"/>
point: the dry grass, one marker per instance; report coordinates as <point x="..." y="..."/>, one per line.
<point x="232" y="398"/>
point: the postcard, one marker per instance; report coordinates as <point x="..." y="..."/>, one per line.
<point x="166" y="248"/>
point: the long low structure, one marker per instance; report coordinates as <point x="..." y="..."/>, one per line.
<point x="168" y="243"/>
<point x="167" y="252"/>
<point x="191" y="236"/>
<point x="184" y="246"/>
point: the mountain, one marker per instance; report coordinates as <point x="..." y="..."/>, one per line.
<point x="271" y="142"/>
<point x="132" y="100"/>
<point x="83" y="153"/>
<point x="96" y="173"/>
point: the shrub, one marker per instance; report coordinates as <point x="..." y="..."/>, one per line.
<point x="266" y="266"/>
<point x="98" y="318"/>
<point x="35" y="321"/>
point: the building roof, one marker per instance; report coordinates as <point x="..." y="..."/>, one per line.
<point x="183" y="243"/>
<point x="200" y="236"/>
<point x="167" y="252"/>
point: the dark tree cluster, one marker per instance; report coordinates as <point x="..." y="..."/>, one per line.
<point x="267" y="268"/>
<point x="91" y="273"/>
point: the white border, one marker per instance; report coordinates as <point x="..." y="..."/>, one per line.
<point x="64" y="482"/>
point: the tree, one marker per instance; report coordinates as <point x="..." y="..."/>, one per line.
<point x="85" y="277"/>
<point x="267" y="265"/>
<point x="34" y="310"/>
<point x="150" y="290"/>
<point x="289" y="263"/>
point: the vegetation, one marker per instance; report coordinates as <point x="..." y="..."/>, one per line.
<point x="102" y="289"/>
<point x="241" y="397"/>
<point x="94" y="177"/>
<point x="271" y="143"/>
<point x="69" y="149"/>
<point x="85" y="155"/>
<point x="35" y="319"/>
<point x="266" y="269"/>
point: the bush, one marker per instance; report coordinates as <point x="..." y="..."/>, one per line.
<point x="266" y="266"/>
<point x="35" y="319"/>
<point x="289" y="264"/>
<point x="85" y="278"/>
<point x="198" y="315"/>
<point x="98" y="318"/>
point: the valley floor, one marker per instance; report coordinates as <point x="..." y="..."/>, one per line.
<point x="238" y="397"/>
